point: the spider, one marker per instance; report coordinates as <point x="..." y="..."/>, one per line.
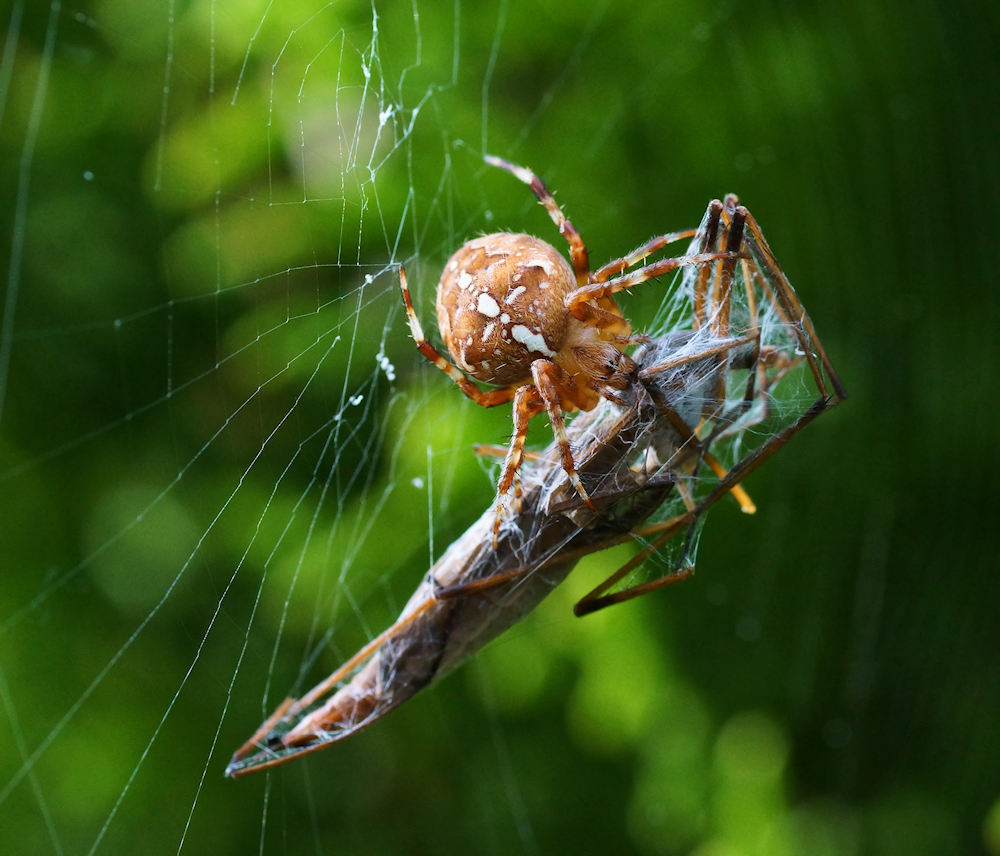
<point x="515" y="315"/>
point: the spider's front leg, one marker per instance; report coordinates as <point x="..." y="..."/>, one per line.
<point x="651" y="246"/>
<point x="577" y="249"/>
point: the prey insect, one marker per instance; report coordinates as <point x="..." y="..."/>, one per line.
<point x="700" y="408"/>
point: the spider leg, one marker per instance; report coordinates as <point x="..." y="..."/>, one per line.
<point x="487" y="398"/>
<point x="577" y="249"/>
<point x="596" y="291"/>
<point x="527" y="403"/>
<point x="637" y="255"/>
<point x="604" y="320"/>
<point x="552" y="387"/>
<point x="555" y="385"/>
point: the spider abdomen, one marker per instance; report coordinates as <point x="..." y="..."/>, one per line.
<point x="501" y="306"/>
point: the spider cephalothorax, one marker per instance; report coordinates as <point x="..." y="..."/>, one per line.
<point x="514" y="314"/>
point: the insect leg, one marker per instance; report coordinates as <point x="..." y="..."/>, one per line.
<point x="787" y="299"/>
<point x="596" y="599"/>
<point x="682" y="428"/>
<point x="709" y="230"/>
<point x="570" y="554"/>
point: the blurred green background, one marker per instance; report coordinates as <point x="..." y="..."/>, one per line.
<point x="223" y="467"/>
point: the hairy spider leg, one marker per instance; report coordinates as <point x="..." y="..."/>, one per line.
<point x="528" y="402"/>
<point x="651" y="246"/>
<point x="609" y="322"/>
<point x="552" y="386"/>
<point x="577" y="300"/>
<point x="485" y="398"/>
<point x="577" y="249"/>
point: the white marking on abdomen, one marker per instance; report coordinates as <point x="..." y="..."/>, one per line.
<point x="532" y="341"/>
<point x="487" y="305"/>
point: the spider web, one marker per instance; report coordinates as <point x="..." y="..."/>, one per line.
<point x="223" y="470"/>
<point x="256" y="439"/>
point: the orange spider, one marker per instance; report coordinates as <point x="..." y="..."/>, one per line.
<point x="514" y="314"/>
